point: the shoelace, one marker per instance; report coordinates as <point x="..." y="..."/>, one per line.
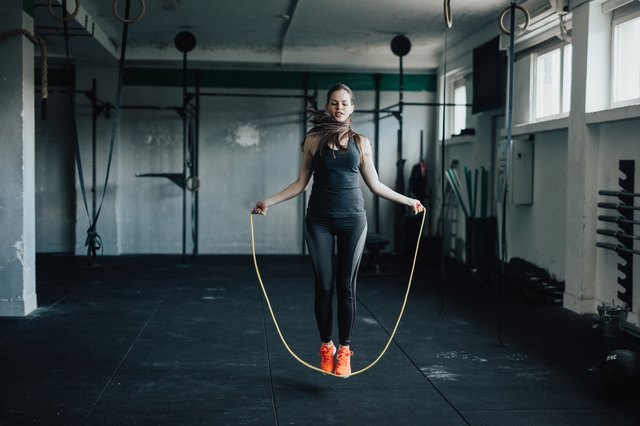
<point x="343" y="356"/>
<point x="326" y="351"/>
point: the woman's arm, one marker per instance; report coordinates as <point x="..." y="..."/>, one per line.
<point x="370" y="176"/>
<point x="298" y="186"/>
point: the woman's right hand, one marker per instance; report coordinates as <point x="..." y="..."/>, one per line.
<point x="260" y="208"/>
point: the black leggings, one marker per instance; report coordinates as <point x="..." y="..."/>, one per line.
<point x="321" y="234"/>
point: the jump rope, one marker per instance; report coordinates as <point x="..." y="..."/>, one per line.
<point x="447" y="9"/>
<point x="391" y="336"/>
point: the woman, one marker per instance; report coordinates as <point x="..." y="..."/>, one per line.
<point x="336" y="157"/>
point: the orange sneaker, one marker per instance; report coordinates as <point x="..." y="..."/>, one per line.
<point x="343" y="367"/>
<point x="327" y="362"/>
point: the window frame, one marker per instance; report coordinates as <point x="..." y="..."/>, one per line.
<point x="618" y="19"/>
<point x="561" y="47"/>
<point x="456" y="83"/>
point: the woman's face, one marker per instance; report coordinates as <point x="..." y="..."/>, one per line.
<point x="340" y="105"/>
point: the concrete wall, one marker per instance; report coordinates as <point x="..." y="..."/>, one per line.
<point x="55" y="170"/>
<point x="106" y="79"/>
<point x="249" y="149"/>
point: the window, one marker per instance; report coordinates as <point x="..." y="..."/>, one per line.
<point x="552" y="83"/>
<point x="459" y="112"/>
<point x="626" y="62"/>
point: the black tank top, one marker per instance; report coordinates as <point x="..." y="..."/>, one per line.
<point x="336" y="183"/>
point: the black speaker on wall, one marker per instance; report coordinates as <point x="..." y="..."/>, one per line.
<point x="489" y="77"/>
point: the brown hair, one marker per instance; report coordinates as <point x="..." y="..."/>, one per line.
<point x="331" y="131"/>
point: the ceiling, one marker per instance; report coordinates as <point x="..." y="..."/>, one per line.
<point x="266" y="34"/>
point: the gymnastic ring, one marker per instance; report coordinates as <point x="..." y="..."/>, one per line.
<point x="527" y="19"/>
<point x="195" y="183"/>
<point x="143" y="8"/>
<point x="448" y="18"/>
<point x="63" y="19"/>
<point x="564" y="33"/>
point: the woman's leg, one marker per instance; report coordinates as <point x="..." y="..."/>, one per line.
<point x="320" y="241"/>
<point x="351" y="234"/>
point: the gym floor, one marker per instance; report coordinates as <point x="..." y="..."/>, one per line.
<point x="155" y="340"/>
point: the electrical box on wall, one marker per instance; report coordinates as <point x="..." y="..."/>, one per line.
<point x="521" y="184"/>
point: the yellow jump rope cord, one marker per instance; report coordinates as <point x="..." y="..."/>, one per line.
<point x="395" y="328"/>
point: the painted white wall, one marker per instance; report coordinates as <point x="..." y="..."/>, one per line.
<point x="537" y="231"/>
<point x="573" y="158"/>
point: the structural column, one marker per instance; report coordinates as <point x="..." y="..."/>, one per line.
<point x="17" y="166"/>
<point x="590" y="28"/>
